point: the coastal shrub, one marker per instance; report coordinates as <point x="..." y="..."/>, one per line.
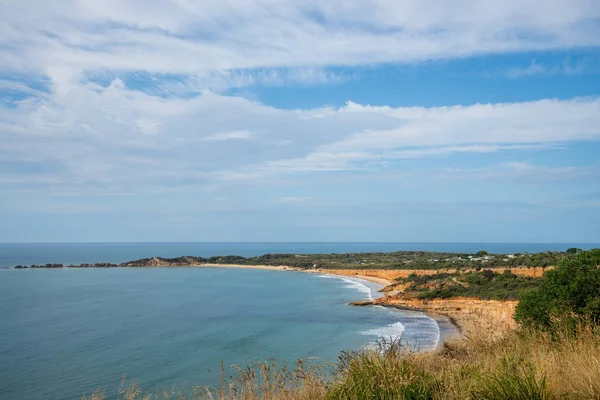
<point x="380" y="373"/>
<point x="525" y="363"/>
<point x="514" y="380"/>
<point x="573" y="288"/>
<point x="486" y="285"/>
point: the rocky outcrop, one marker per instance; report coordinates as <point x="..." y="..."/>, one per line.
<point x="469" y="314"/>
<point x="95" y="265"/>
<point x="48" y="266"/>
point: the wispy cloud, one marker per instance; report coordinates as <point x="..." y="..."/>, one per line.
<point x="269" y="42"/>
<point x="533" y="69"/>
<point x="581" y="65"/>
<point x="523" y="170"/>
<point x="176" y="142"/>
<point x="233" y="135"/>
<point x="292" y="200"/>
<point x="428" y="132"/>
<point x="122" y="93"/>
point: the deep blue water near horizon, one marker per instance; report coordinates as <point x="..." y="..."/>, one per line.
<point x="12" y="254"/>
<point x="66" y="332"/>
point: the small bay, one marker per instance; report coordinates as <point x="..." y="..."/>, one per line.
<point x="67" y="332"/>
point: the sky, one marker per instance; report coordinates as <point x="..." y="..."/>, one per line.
<point x="283" y="120"/>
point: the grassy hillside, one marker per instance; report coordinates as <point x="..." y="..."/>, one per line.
<point x="523" y="364"/>
<point x="486" y="284"/>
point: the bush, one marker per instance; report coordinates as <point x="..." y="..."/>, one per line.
<point x="573" y="288"/>
<point x="515" y="381"/>
<point x="486" y="285"/>
<point x="384" y="372"/>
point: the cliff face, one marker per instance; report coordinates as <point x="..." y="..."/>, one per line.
<point x="472" y="316"/>
<point x="498" y="312"/>
<point x="392" y="274"/>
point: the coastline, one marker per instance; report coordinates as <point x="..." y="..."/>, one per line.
<point x="449" y="328"/>
<point x="380" y="281"/>
<point x="452" y="325"/>
<point x="471" y="317"/>
<point x="242" y="266"/>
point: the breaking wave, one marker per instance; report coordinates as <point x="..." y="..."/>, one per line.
<point x="393" y="331"/>
<point x="352" y="284"/>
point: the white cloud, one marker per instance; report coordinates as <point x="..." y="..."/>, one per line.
<point x="84" y="139"/>
<point x="567" y="66"/>
<point x="233" y="135"/>
<point x="533" y="69"/>
<point x="522" y="170"/>
<point x="291" y="200"/>
<point x="95" y="128"/>
<point x="422" y="132"/>
<point x="283" y="40"/>
<point x="147" y="126"/>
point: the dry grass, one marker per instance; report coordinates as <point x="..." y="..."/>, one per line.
<point x="519" y="365"/>
<point x="305" y="381"/>
<point x="563" y="364"/>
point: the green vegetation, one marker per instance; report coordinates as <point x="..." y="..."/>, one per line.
<point x="399" y="260"/>
<point x="572" y="288"/>
<point x="523" y="364"/>
<point x="486" y="285"/>
<point x="381" y="373"/>
<point x="530" y="362"/>
<point x="393" y="260"/>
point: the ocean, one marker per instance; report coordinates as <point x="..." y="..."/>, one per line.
<point x="66" y="332"/>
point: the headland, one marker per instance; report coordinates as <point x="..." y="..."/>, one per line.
<point x="455" y="285"/>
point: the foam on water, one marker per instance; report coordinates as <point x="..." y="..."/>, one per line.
<point x="393" y="331"/>
<point x="420" y="330"/>
<point x="352" y="284"/>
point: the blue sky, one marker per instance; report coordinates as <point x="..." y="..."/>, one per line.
<point x="264" y="120"/>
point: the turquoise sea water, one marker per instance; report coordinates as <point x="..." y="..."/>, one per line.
<point x="65" y="332"/>
<point x="68" y="331"/>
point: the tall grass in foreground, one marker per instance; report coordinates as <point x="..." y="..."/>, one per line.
<point x="523" y="364"/>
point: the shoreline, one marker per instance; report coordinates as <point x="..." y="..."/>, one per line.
<point x="448" y="326"/>
<point x="380" y="281"/>
<point x="449" y="329"/>
<point x="454" y="321"/>
<point x="470" y="316"/>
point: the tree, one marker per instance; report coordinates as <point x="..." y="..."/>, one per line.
<point x="571" y="288"/>
<point x="481" y="253"/>
<point x="573" y="250"/>
<point x="488" y="274"/>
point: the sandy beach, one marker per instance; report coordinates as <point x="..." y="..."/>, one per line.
<point x="456" y="317"/>
<point x="263" y="267"/>
<point x="454" y="320"/>
<point x="379" y="280"/>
